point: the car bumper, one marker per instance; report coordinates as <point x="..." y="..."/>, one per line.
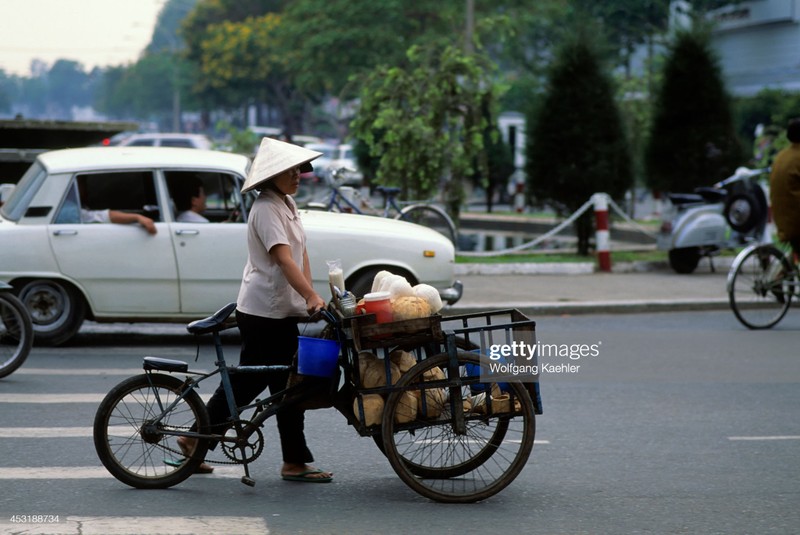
<point x="452" y="294"/>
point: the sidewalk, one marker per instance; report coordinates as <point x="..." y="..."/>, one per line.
<point x="577" y="288"/>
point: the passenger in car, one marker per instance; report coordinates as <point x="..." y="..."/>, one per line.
<point x="190" y="200"/>
<point x="113" y="216"/>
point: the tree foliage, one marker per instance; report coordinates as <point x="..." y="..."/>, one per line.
<point x="693" y="139"/>
<point x="423" y="120"/>
<point x="576" y="144"/>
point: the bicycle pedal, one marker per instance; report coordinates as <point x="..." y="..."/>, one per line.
<point x="249" y="481"/>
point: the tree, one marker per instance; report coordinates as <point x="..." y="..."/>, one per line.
<point x="205" y="27"/>
<point x="693" y="139"/>
<point x="576" y="144"/>
<point x="423" y="120"/>
<point x="329" y="41"/>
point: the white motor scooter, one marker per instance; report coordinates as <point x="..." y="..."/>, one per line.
<point x="728" y="214"/>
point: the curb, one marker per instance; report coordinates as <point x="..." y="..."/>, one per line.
<point x="575" y="268"/>
<point x="595" y="307"/>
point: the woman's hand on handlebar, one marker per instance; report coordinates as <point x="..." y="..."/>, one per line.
<point x="314" y="304"/>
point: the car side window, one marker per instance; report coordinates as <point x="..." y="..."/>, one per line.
<point x="223" y="202"/>
<point x="128" y="191"/>
<point x="70" y="211"/>
<point x="177" y="143"/>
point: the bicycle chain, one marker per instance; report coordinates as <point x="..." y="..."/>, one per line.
<point x="178" y="452"/>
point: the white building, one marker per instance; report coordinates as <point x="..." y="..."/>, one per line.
<point x="758" y="44"/>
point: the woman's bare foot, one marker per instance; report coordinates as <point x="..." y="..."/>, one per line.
<point x="305" y="473"/>
<point x="187" y="445"/>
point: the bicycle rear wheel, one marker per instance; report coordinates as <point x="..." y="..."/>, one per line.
<point x="430" y="216"/>
<point x="16" y="333"/>
<point x="761" y="287"/>
<point x="139" y="451"/>
<point x="438" y="462"/>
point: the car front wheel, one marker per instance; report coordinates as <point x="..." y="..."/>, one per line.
<point x="57" y="310"/>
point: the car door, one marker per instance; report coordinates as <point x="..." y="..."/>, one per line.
<point x="122" y="268"/>
<point x="210" y="255"/>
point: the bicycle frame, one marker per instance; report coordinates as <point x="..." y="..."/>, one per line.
<point x="337" y="200"/>
<point x="265" y="408"/>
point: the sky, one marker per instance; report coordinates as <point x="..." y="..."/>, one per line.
<point x="95" y="33"/>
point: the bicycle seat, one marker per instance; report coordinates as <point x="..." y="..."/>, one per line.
<point x="213" y="323"/>
<point x="387" y="191"/>
<point x="167" y="365"/>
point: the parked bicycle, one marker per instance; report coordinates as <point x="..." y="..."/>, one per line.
<point x="347" y="199"/>
<point x="16" y="331"/>
<point x="463" y="443"/>
<point x="762" y="282"/>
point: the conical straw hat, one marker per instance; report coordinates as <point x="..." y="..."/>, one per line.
<point x="273" y="158"/>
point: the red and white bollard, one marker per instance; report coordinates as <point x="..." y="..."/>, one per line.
<point x="600" y="201"/>
<point x="519" y="197"/>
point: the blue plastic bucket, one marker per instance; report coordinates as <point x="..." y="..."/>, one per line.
<point x="317" y="356"/>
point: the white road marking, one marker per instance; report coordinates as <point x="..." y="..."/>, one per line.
<point x="61" y="398"/>
<point x="79" y="371"/>
<point x="468" y="441"/>
<point x="45" y="432"/>
<point x="142" y="525"/>
<point x="775" y="437"/>
<point x="96" y="472"/>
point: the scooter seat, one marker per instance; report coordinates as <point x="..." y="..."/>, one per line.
<point x="712" y="195"/>
<point x="685" y="198"/>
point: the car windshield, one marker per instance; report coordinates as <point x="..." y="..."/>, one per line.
<point x="23" y="193"/>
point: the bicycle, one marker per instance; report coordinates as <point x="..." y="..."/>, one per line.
<point x="443" y="453"/>
<point x="421" y="213"/>
<point x="16" y="331"/>
<point x="761" y="283"/>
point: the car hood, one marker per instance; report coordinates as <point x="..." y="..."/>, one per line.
<point x="356" y="224"/>
<point x="364" y="241"/>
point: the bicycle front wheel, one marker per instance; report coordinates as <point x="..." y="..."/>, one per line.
<point x="445" y="464"/>
<point x="137" y="446"/>
<point x="761" y="287"/>
<point x="16" y="333"/>
<point x="430" y="216"/>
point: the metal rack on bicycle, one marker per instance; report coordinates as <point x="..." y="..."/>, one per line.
<point x="421" y="389"/>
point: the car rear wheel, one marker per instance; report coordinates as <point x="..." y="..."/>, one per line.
<point x="57" y="310"/>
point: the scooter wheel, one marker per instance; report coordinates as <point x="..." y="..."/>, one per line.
<point x="742" y="212"/>
<point x="684" y="260"/>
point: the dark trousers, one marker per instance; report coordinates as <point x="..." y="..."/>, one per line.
<point x="265" y="341"/>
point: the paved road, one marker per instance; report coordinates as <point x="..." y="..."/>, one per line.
<point x="684" y="423"/>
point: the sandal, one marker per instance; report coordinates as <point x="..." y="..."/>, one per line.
<point x="186" y="449"/>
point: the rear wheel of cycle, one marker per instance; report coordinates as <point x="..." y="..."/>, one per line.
<point x="437" y="461"/>
<point x="16" y="333"/>
<point x="139" y="452"/>
<point x="761" y="288"/>
<point x="432" y="217"/>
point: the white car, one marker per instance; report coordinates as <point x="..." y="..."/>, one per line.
<point x="65" y="271"/>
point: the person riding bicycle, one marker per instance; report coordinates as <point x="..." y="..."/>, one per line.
<point x="784" y="188"/>
<point x="276" y="290"/>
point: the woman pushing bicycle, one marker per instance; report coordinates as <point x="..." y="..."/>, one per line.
<point x="276" y="291"/>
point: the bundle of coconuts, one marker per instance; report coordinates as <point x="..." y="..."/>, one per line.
<point x="408" y="302"/>
<point x="373" y="375"/>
